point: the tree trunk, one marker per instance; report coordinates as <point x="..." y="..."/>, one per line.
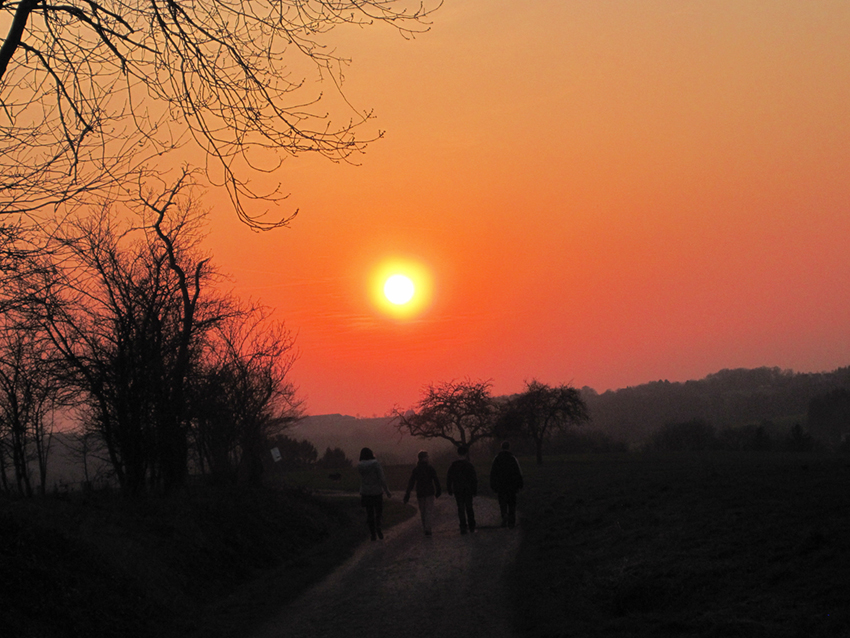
<point x="16" y="34"/>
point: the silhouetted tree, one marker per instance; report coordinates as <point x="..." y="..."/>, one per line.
<point x="93" y="91"/>
<point x="760" y="440"/>
<point x="88" y="449"/>
<point x="242" y="396"/>
<point x="540" y="412"/>
<point x="799" y="440"/>
<point x="123" y="310"/>
<point x="462" y="412"/>
<point x="28" y="391"/>
<point x="334" y="459"/>
<point x="15" y="250"/>
<point x="690" y="436"/>
<point x="829" y="417"/>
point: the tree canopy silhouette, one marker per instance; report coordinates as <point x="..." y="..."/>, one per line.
<point x="95" y="94"/>
<point x="540" y="411"/>
<point x="458" y="411"/>
<point x="155" y="357"/>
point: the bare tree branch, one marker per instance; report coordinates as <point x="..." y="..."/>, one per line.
<point x="95" y="92"/>
<point x="458" y="411"/>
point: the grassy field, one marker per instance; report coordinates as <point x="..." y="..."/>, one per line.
<point x="630" y="545"/>
<point x="207" y="563"/>
<point x="679" y="545"/>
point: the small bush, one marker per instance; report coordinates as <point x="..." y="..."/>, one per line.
<point x="334" y="459"/>
<point x="695" y="435"/>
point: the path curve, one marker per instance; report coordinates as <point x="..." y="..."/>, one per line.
<point x="409" y="585"/>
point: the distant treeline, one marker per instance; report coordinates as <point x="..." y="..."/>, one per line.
<point x="743" y="409"/>
<point x="727" y="400"/>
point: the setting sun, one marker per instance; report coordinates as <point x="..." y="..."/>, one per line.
<point x="661" y="215"/>
<point x="399" y="289"/>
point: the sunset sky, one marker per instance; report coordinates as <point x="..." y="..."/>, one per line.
<point x="600" y="193"/>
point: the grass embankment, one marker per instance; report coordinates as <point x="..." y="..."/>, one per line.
<point x="734" y="545"/>
<point x="211" y="563"/>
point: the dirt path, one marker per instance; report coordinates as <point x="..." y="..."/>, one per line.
<point x="408" y="585"/>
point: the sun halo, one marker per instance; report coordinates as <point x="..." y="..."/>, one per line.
<point x="401" y="288"/>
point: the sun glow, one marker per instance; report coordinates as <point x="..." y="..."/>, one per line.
<point x="401" y="287"/>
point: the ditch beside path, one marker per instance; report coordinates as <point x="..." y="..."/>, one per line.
<point x="410" y="585"/>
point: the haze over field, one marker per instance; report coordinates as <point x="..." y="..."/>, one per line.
<point x="600" y="193"/>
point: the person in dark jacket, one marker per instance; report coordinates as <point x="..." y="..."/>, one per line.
<point x="462" y="481"/>
<point x="506" y="481"/>
<point x="424" y="477"/>
<point x="373" y="486"/>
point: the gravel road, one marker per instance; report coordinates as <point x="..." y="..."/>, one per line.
<point x="410" y="585"/>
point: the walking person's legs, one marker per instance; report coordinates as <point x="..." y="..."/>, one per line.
<point x="370" y="519"/>
<point x="426" y="511"/>
<point x="379" y="515"/>
<point x="470" y="513"/>
<point x="511" y="507"/>
<point x="503" y="507"/>
<point x="461" y="512"/>
<point x="423" y="514"/>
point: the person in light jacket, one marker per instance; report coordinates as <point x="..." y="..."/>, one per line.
<point x="373" y="486"/>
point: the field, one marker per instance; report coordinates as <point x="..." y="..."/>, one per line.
<point x="207" y="563"/>
<point x="614" y="545"/>
<point x="711" y="545"/>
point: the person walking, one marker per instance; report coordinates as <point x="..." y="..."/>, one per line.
<point x="424" y="478"/>
<point x="462" y="481"/>
<point x="373" y="486"/>
<point x="506" y="481"/>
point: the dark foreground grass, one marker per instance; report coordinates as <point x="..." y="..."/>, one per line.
<point x="209" y="562"/>
<point x="754" y="545"/>
<point x="631" y="545"/>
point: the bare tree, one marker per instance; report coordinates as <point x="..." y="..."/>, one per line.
<point x="540" y="411"/>
<point x="94" y="91"/>
<point x="123" y="314"/>
<point x="242" y="395"/>
<point x="18" y="246"/>
<point x="86" y="447"/>
<point x="172" y="437"/>
<point x="458" y="411"/>
<point x="27" y="396"/>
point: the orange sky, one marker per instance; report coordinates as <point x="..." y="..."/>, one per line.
<point x="605" y="193"/>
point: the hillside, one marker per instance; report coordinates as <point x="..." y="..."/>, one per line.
<point x="729" y="398"/>
<point x="725" y="399"/>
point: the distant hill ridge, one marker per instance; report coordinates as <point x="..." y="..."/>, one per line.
<point x="728" y="398"/>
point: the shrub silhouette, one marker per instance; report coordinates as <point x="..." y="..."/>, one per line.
<point x="689" y="436"/>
